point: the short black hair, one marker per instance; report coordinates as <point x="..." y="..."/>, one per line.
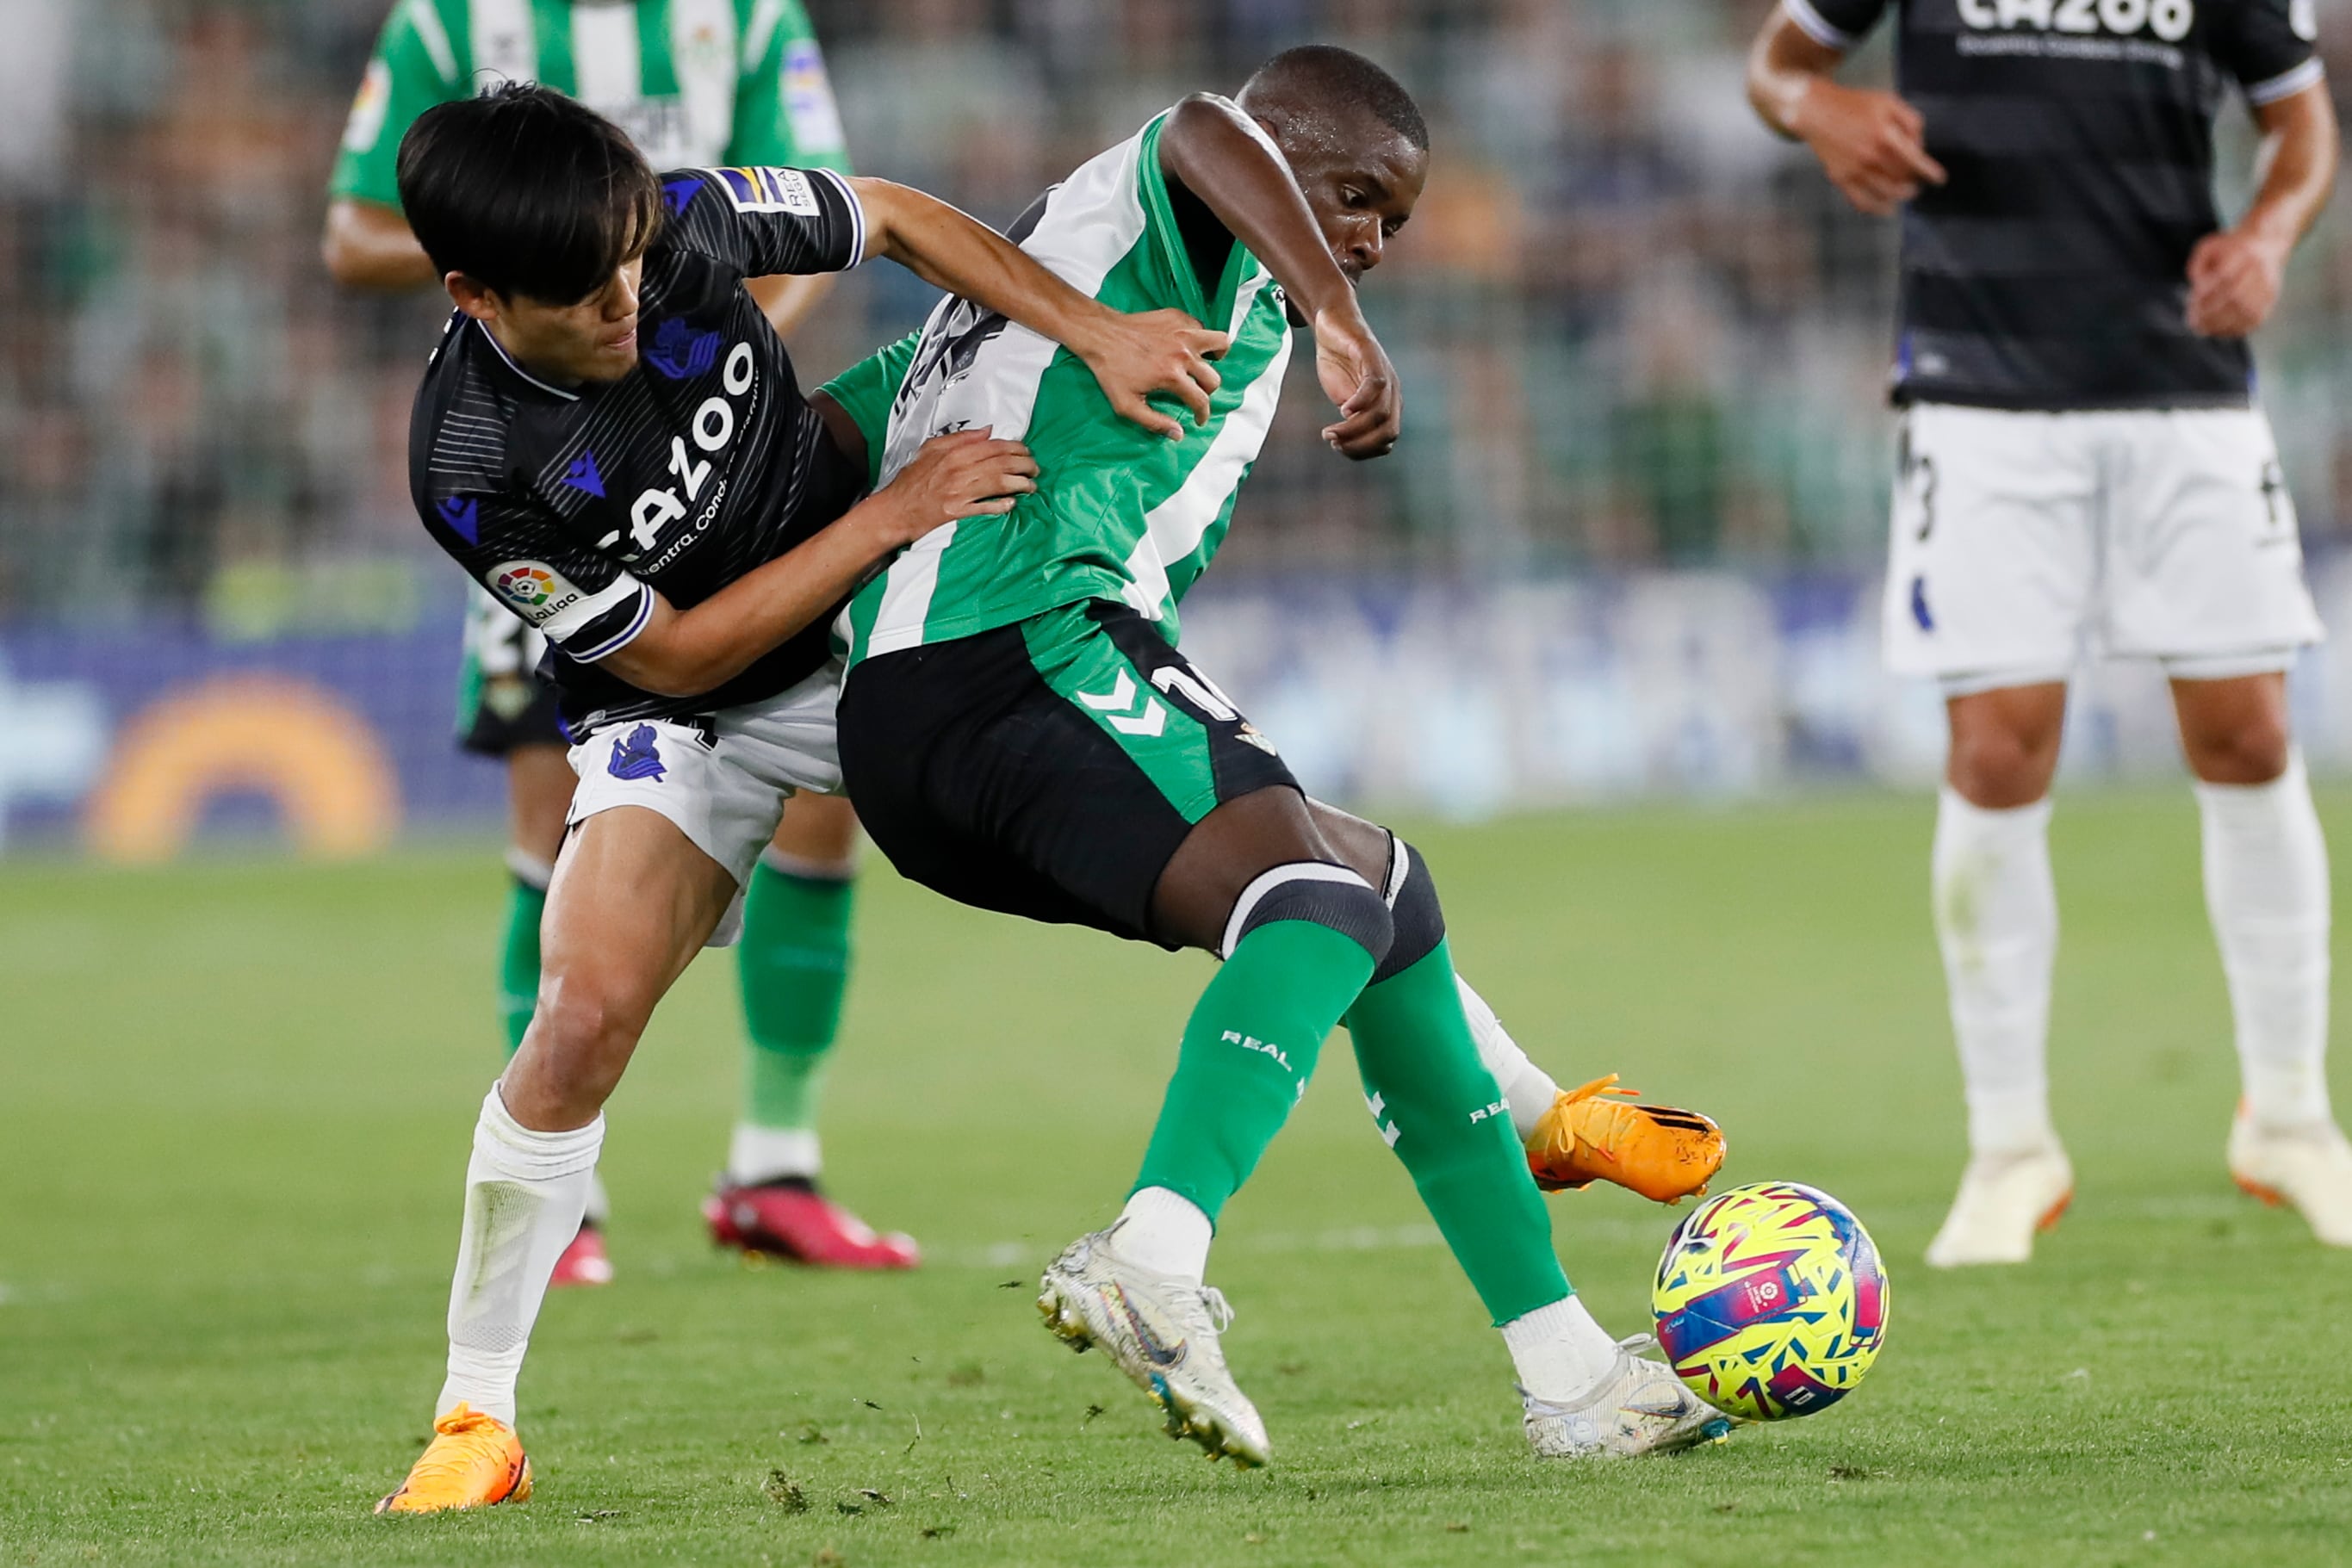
<point x="527" y="191"/>
<point x="1326" y="75"/>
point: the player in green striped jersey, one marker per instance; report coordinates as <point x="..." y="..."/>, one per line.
<point x="693" y="82"/>
<point x="1022" y="734"/>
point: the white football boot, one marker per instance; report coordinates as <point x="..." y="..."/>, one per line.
<point x="2003" y="1200"/>
<point x="1162" y="1332"/>
<point x="2309" y="1167"/>
<point x="1640" y="1407"/>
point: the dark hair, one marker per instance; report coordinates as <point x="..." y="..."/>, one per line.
<point x="1324" y="76"/>
<point x="527" y="191"/>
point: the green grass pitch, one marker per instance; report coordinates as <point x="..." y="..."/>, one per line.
<point x="235" y="1101"/>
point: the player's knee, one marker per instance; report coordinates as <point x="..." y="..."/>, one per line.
<point x="1415" y="916"/>
<point x="1319" y="893"/>
<point x="2000" y="766"/>
<point x="585" y="1019"/>
<point x="2254" y="749"/>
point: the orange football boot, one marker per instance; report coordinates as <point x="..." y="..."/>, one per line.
<point x="1591" y="1134"/>
<point x="474" y="1460"/>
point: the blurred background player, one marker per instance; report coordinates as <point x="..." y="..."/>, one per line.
<point x="2083" y="461"/>
<point x="694" y="83"/>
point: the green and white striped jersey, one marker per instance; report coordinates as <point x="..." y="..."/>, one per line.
<point x="693" y="82"/>
<point x="1119" y="513"/>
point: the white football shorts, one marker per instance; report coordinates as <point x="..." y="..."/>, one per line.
<point x="722" y="778"/>
<point x="2024" y="541"/>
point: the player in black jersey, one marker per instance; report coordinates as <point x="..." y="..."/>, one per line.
<point x="2083" y="462"/>
<point x="611" y="438"/>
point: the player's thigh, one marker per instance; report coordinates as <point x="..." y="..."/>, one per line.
<point x="818" y="831"/>
<point x="539" y="799"/>
<point x="1235" y="844"/>
<point x="1052" y="770"/>
<point x="720" y="779"/>
<point x="1183" y="801"/>
<point x="631" y="901"/>
<point x="1366" y="847"/>
<point x="2205" y="563"/>
<point x="1992" y="560"/>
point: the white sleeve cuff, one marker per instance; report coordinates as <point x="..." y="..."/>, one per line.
<point x="856" y="213"/>
<point x="2287" y="84"/>
<point x="1817" y="26"/>
<point x="632" y="619"/>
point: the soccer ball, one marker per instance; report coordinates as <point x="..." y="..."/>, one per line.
<point x="1771" y="1301"/>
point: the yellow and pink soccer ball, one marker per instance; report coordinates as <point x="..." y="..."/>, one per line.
<point x="1771" y="1301"/>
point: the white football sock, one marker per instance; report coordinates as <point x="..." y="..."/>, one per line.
<point x="528" y="869"/>
<point x="1997" y="922"/>
<point x="525" y="1192"/>
<point x="1561" y="1353"/>
<point x="1166" y="1232"/>
<point x="1528" y="1088"/>
<point x="2266" y="890"/>
<point x="598" y="1209"/>
<point x="756" y="1154"/>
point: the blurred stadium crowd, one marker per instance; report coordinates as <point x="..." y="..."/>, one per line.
<point x="1637" y="331"/>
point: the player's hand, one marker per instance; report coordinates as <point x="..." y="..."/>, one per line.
<point x="1871" y="144"/>
<point x="1159" y="352"/>
<point x="2233" y="281"/>
<point x="967" y="473"/>
<point x="1357" y="377"/>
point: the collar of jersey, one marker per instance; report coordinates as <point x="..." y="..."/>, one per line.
<point x="500" y="350"/>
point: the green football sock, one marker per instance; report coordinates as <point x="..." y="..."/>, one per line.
<point x="518" y="960"/>
<point x="792" y="970"/>
<point x="1439" y="1108"/>
<point x="1249" y="1048"/>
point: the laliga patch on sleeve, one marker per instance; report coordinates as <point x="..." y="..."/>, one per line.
<point x="533" y="589"/>
<point x="368" y="107"/>
<point x="770" y="190"/>
<point x="808" y="101"/>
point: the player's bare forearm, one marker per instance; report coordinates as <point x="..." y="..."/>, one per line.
<point x="685" y="653"/>
<point x="1214" y="149"/>
<point x="788" y="301"/>
<point x="1871" y="144"/>
<point x="1133" y="357"/>
<point x="1782" y="66"/>
<point x="2234" y="275"/>
<point x="2300" y="147"/>
<point x="367" y="245"/>
<point x="1223" y="157"/>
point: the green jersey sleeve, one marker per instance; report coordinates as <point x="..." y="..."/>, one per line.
<point x="413" y="68"/>
<point x="784" y="110"/>
<point x="865" y="392"/>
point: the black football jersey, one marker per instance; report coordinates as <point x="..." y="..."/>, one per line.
<point x="575" y="505"/>
<point x="2049" y="272"/>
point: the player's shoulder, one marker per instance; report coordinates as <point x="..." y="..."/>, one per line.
<point x="443" y="31"/>
<point x="468" y="422"/>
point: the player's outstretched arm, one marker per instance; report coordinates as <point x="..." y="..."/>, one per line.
<point x="1228" y="160"/>
<point x="2234" y="275"/>
<point x="1133" y="357"/>
<point x="1870" y="143"/>
<point x="369" y="246"/>
<point x="685" y="653"/>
